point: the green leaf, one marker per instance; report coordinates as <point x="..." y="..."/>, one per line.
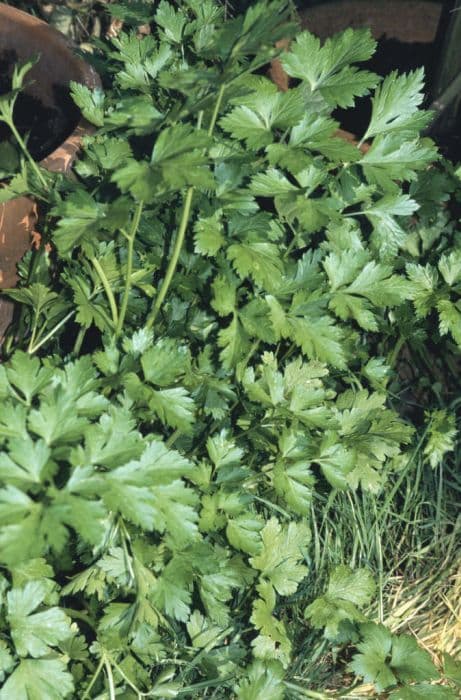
<point x="142" y="60"/>
<point x="245" y="124"/>
<point x="294" y="483"/>
<point x="312" y="130"/>
<point x="395" y="105"/>
<point x="202" y="633"/>
<point x="359" y="285"/>
<point x="39" y="297"/>
<point x="391" y="158"/>
<point x="371" y="663"/>
<point x="26" y="462"/>
<point x="20" y="520"/>
<point x="410" y="662"/>
<point x="35" y="679"/>
<point x="80" y="214"/>
<point x="172" y="21"/>
<point x="385" y="659"/>
<point x="327" y="68"/>
<point x="319" y="338"/>
<point x="262" y="111"/>
<point x="388" y="236"/>
<point x="234" y="343"/>
<point x="177" y="140"/>
<point x="243" y="533"/>
<point x="27" y="374"/>
<point x="281" y="554"/>
<point x="91" y="102"/>
<point x="450" y="267"/>
<point x="110" y="442"/>
<point x="348" y="591"/>
<point x="273" y="642"/>
<point x="264" y="680"/>
<point x="441" y="436"/>
<point x="149" y="493"/>
<point x="224" y="294"/>
<point x="165" y="362"/>
<point x="33" y="633"/>
<point x="452" y="669"/>
<point x="31" y="570"/>
<point x="55" y="421"/>
<point x="174" y="407"/>
<point x="271" y="183"/>
<point x="450" y="319"/>
<point x="260" y="261"/>
<point x="173" y="592"/>
<point x="377" y="372"/>
<point x="423" y="283"/>
<point x="376" y="283"/>
<point x="209" y="234"/>
<point x="336" y="462"/>
<point x="217" y="587"/>
<point x="136" y="115"/>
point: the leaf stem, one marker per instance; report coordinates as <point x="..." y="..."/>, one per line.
<point x="204" y="684"/>
<point x="79" y="340"/>
<point x="79" y="615"/>
<point x="182" y="226"/>
<point x="173" y="260"/>
<point x="25" y="151"/>
<point x="125" y="538"/>
<point x="34" y="330"/>
<point x="110" y="678"/>
<point x="49" y="335"/>
<point x="392" y="359"/>
<point x="64" y="320"/>
<point x="216" y="110"/>
<point x="107" y="288"/>
<point x="128" y="681"/>
<point x="94" y="679"/>
<point x="129" y="267"/>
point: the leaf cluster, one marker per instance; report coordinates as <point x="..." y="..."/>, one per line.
<point x="206" y="349"/>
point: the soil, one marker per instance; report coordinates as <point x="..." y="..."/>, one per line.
<point x="44" y="127"/>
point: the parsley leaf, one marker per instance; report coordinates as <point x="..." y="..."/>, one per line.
<point x="348" y="591"/>
<point x="33" y="633"/>
<point x="39" y="678"/>
<point x="384" y="659"/>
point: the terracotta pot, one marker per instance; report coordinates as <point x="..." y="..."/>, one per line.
<point x="411" y="22"/>
<point x="21" y="37"/>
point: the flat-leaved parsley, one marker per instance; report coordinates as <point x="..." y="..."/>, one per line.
<point x="207" y="352"/>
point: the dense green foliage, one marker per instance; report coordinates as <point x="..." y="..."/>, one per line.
<point x="209" y="354"/>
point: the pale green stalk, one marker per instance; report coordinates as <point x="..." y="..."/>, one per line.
<point x="25" y="151"/>
<point x="129" y="266"/>
<point x="107" y="288"/>
<point x="187" y="207"/>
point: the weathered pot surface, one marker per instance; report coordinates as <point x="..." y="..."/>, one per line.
<point x="22" y="37"/>
<point x="409" y="21"/>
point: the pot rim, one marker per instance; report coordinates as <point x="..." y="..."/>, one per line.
<point x="62" y="157"/>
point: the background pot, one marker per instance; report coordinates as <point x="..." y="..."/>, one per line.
<point x="21" y="37"/>
<point x="409" y="21"/>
